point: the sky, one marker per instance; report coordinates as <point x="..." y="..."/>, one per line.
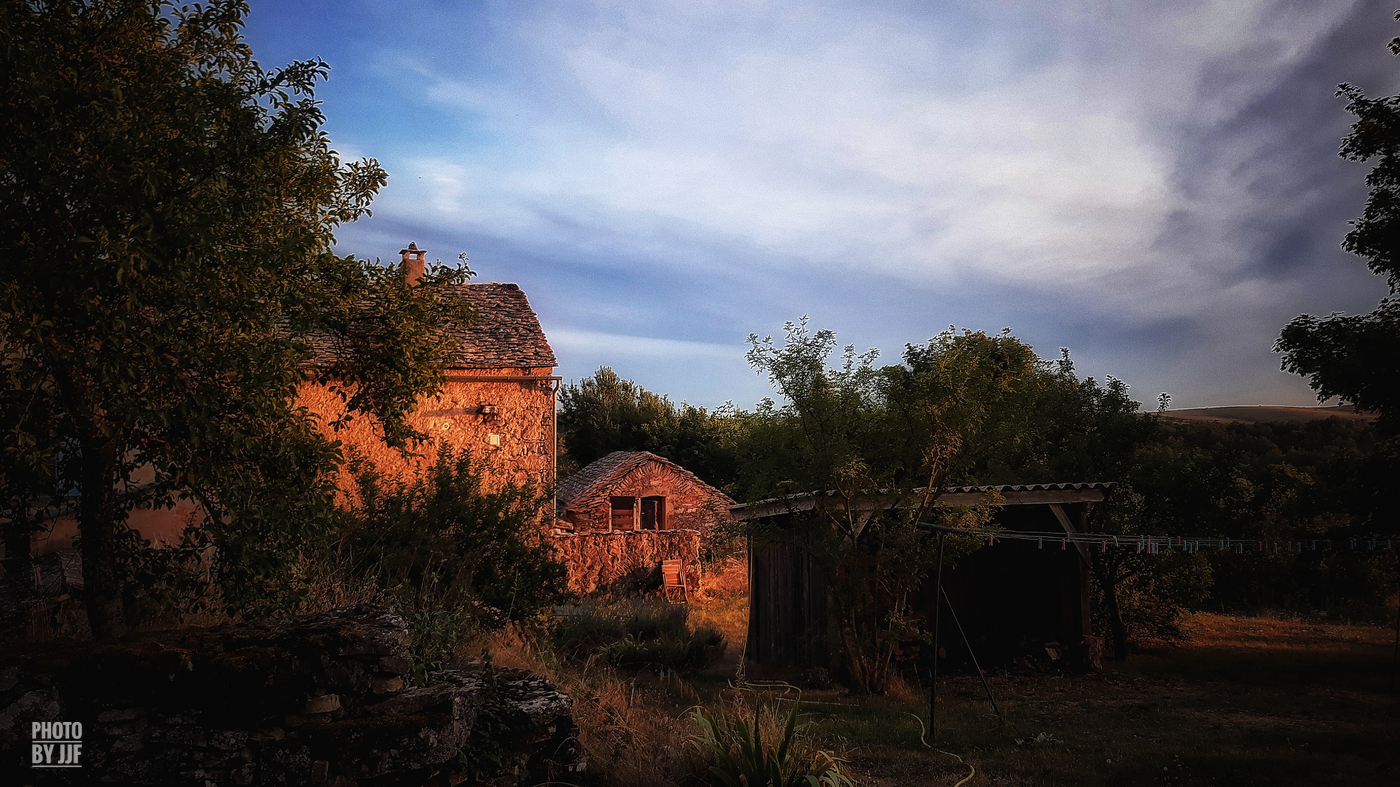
<point x="1154" y="186"/>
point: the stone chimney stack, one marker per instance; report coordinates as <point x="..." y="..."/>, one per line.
<point x="413" y="264"/>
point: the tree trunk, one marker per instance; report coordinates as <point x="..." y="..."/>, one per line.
<point x="99" y="520"/>
<point x="19" y="561"/>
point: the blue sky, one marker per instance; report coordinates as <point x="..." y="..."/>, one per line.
<point x="1153" y="185"/>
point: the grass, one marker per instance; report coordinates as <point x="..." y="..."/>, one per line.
<point x="640" y="634"/>
<point x="1243" y="701"/>
<point x="1247" y="701"/>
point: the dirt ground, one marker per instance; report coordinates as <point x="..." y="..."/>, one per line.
<point x="1247" y="701"/>
<point x="1244" y="701"/>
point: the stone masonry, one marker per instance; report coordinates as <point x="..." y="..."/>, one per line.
<point x="319" y="699"/>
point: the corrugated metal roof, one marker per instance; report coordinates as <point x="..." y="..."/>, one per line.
<point x="879" y="498"/>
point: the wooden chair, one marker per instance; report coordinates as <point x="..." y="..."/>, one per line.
<point x="673" y="580"/>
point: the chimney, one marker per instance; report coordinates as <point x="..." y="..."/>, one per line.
<point x="413" y="265"/>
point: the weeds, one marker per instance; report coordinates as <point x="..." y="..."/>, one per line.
<point x="640" y="634"/>
<point x="737" y="754"/>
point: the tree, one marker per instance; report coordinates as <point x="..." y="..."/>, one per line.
<point x="167" y="225"/>
<point x="605" y="413"/>
<point x="1357" y="357"/>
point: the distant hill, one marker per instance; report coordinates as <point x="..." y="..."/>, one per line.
<point x="1260" y="413"/>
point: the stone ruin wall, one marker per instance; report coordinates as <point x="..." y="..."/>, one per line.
<point x="321" y="699"/>
<point x="627" y="564"/>
<point x="523" y="424"/>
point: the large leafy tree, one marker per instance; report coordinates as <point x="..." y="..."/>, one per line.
<point x="1357" y="357"/>
<point x="168" y="209"/>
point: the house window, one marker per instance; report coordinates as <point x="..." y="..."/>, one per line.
<point x="624" y="513"/>
<point x="653" y="513"/>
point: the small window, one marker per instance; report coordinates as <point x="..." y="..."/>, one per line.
<point x="624" y="513"/>
<point x="653" y="513"/>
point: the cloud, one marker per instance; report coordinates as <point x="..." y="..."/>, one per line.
<point x="638" y="347"/>
<point x="1050" y="174"/>
<point x="688" y="172"/>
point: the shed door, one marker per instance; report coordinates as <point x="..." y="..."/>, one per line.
<point x="653" y="513"/>
<point x="624" y="513"/>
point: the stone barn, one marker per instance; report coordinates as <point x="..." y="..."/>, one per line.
<point x="498" y="401"/>
<point x="620" y="516"/>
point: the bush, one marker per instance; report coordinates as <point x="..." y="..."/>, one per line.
<point x="638" y="634"/>
<point x="1153" y="601"/>
<point x="453" y="558"/>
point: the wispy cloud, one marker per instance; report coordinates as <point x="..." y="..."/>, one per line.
<point x="1085" y="167"/>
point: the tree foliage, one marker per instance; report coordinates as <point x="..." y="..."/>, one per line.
<point x="1357" y="357"/>
<point x="906" y="431"/>
<point x="604" y="413"/>
<point x="169" y="209"/>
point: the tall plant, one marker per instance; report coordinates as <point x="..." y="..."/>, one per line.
<point x="168" y="222"/>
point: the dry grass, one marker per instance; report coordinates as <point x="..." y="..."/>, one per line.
<point x="634" y="725"/>
<point x="726" y="578"/>
<point x="1244" y="701"/>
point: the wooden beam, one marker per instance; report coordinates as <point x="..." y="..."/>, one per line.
<point x="1070" y="528"/>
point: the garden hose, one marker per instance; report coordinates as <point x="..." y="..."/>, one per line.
<point x="971" y="771"/>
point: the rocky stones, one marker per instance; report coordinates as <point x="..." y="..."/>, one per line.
<point x="386" y="685"/>
<point x="319" y="699"/>
<point x="626" y="564"/>
<point x="322" y="704"/>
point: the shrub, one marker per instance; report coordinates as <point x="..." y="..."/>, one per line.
<point x="638" y="634"/>
<point x="454" y="558"/>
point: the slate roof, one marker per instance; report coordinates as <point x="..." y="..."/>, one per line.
<point x="506" y="334"/>
<point x="598" y="476"/>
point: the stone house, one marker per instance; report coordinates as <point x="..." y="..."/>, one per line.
<point x="620" y="516"/>
<point x="498" y="400"/>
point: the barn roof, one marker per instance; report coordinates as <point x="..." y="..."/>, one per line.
<point x="506" y="334"/>
<point x="604" y="473"/>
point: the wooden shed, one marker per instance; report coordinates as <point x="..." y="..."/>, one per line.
<point x="1008" y="596"/>
<point x="620" y="516"/>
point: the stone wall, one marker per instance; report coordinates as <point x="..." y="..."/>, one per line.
<point x="522" y="424"/>
<point x="320" y="699"/>
<point x="508" y="424"/>
<point x="627" y="564"/>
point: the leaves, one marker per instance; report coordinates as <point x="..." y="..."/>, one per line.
<point x="1354" y="358"/>
<point x="168" y="226"/>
